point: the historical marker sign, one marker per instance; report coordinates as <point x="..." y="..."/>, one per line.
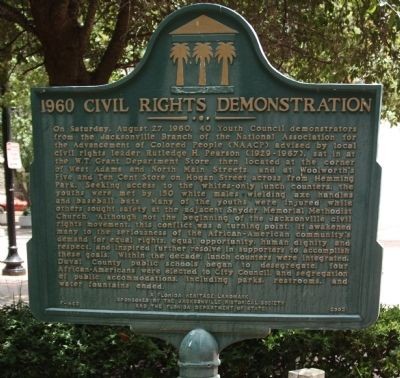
<point x="206" y="189"/>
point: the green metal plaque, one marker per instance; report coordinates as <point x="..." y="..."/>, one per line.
<point x="206" y="190"/>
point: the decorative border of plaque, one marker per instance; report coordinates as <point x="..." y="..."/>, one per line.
<point x="206" y="189"/>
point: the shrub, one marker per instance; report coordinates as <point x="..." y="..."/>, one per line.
<point x="359" y="353"/>
<point x="30" y="348"/>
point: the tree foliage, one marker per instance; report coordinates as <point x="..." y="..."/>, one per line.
<point x="84" y="42"/>
<point x="20" y="69"/>
<point x="331" y="41"/>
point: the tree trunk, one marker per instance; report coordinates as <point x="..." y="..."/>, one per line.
<point x="64" y="63"/>
<point x="65" y="40"/>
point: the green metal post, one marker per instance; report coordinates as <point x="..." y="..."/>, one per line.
<point x="198" y="355"/>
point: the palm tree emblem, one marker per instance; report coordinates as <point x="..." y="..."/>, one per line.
<point x="226" y="53"/>
<point x="180" y="53"/>
<point x="203" y="54"/>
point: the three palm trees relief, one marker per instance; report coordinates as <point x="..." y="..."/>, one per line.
<point x="202" y="53"/>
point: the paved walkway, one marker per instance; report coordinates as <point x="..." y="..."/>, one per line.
<point x="14" y="288"/>
<point x="389" y="219"/>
